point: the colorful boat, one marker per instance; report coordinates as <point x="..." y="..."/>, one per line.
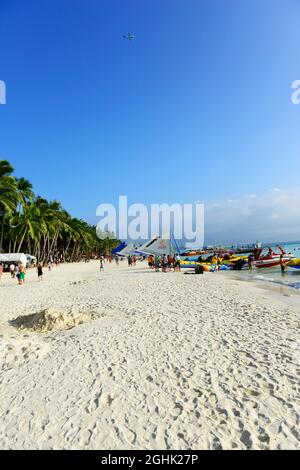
<point x="208" y="267"/>
<point x="271" y="259"/>
<point x="193" y="253"/>
<point x="294" y="263"/>
<point x="234" y="259"/>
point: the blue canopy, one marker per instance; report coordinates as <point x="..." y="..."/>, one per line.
<point x="119" y="248"/>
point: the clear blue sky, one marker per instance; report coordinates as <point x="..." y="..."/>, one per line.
<point x="198" y="107"/>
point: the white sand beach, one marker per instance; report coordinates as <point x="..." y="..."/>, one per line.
<point x="154" y="361"/>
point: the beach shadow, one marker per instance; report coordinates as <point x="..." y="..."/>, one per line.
<point x="140" y="271"/>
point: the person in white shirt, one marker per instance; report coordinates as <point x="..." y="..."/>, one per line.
<point x="12" y="270"/>
<point x="177" y="263"/>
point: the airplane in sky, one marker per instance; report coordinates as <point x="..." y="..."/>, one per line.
<point x="129" y="36"/>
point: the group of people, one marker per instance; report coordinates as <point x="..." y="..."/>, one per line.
<point x="109" y="259"/>
<point x="217" y="261"/>
<point x="17" y="271"/>
<point x="53" y="262"/>
<point x="131" y="260"/>
<point x="282" y="263"/>
<point x="165" y="262"/>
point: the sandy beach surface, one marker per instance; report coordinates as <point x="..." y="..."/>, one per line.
<point x="148" y="361"/>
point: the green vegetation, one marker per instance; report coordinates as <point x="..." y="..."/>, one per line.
<point x="31" y="224"/>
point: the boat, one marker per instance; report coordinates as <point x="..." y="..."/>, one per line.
<point x="271" y="259"/>
<point x="125" y="250"/>
<point x="193" y="253"/>
<point x="157" y="246"/>
<point x="233" y="259"/>
<point x="194" y="264"/>
<point x="209" y="267"/>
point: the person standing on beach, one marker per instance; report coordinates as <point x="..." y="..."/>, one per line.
<point x="282" y="264"/>
<point x="177" y="263"/>
<point x="101" y="264"/>
<point x="22" y="272"/>
<point x="152" y="262"/>
<point x="215" y="262"/>
<point x="164" y="263"/>
<point x="250" y="262"/>
<point x="17" y="273"/>
<point x="214" y="259"/>
<point x="12" y="270"/>
<point x="40" y="272"/>
<point x="1" y="270"/>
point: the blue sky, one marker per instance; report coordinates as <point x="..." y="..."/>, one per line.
<point x="197" y="108"/>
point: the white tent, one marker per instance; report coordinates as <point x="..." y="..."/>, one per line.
<point x="129" y="249"/>
<point x="14" y="258"/>
<point x="157" y="246"/>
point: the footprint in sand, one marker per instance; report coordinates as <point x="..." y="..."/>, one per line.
<point x="18" y="349"/>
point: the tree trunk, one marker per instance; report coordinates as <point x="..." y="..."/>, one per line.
<point x="21" y="242"/>
<point x="67" y="247"/>
<point x="2" y="232"/>
<point x="29" y="244"/>
<point x="72" y="255"/>
<point x="43" y="253"/>
<point x="53" y="242"/>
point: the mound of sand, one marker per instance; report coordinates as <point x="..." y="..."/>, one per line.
<point x="50" y="320"/>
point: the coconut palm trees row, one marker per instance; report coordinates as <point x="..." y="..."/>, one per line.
<point x="31" y="224"/>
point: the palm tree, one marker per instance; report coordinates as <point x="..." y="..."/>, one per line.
<point x="28" y="226"/>
<point x="35" y="223"/>
<point x="8" y="197"/>
<point x="48" y="211"/>
<point x="25" y="192"/>
<point x="5" y="168"/>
